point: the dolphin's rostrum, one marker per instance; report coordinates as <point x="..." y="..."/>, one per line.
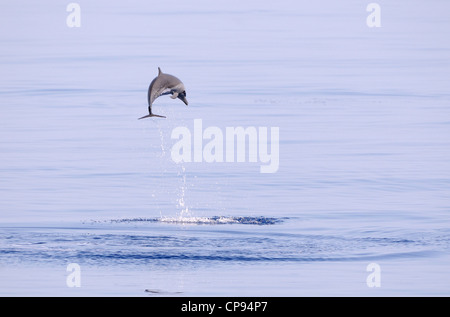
<point x="164" y="84"/>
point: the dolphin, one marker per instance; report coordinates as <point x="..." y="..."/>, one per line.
<point x="164" y="84"/>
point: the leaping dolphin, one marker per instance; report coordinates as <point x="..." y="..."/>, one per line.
<point x="164" y="84"/>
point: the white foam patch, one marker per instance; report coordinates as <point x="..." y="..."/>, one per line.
<point x="215" y="220"/>
<point x="199" y="220"/>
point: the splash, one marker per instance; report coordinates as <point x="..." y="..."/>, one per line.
<point x="215" y="220"/>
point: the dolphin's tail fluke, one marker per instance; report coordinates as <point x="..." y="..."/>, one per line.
<point x="151" y="115"/>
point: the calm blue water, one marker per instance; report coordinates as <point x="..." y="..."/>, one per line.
<point x="364" y="149"/>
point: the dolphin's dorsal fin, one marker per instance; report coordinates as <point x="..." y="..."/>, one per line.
<point x="159" y="71"/>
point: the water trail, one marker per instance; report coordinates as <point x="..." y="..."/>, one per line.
<point x="183" y="210"/>
<point x="163" y="144"/>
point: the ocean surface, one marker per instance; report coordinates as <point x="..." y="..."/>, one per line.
<point x="92" y="202"/>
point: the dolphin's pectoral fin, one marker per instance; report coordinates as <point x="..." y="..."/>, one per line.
<point x="174" y="95"/>
<point x="151" y="115"/>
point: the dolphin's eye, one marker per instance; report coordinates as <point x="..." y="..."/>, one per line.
<point x="184" y="93"/>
